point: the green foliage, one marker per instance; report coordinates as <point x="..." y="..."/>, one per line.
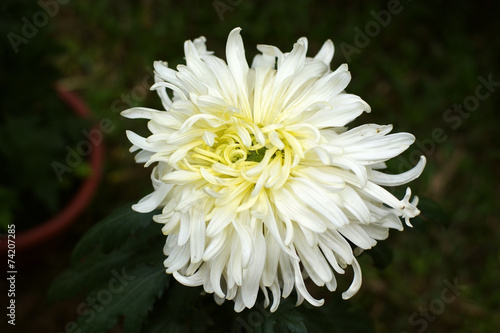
<point x="119" y="264"/>
<point x="94" y="268"/>
<point x="123" y="249"/>
<point x="336" y="315"/>
<point x="134" y="301"/>
<point x="115" y="230"/>
<point x="286" y="319"/>
<point x="179" y="311"/>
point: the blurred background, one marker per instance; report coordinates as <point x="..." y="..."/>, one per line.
<point x="428" y="69"/>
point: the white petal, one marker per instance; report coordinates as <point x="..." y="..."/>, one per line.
<point x="140" y="113"/>
<point x="355" y="204"/>
<point x="222" y="218"/>
<point x="357" y="235"/>
<point x="384" y="179"/>
<point x="253" y="273"/>
<point x="191" y="281"/>
<point x="301" y="287"/>
<point x="356" y="283"/>
<point x="216" y="270"/>
<point x="245" y="242"/>
<point x="313" y="260"/>
<point x="152" y="200"/>
<point x="326" y="52"/>
<point x="214" y="246"/>
<point x="292" y="62"/>
<point x="316" y="198"/>
<point x="197" y="237"/>
<point x="235" y="53"/>
<point x="263" y="60"/>
<point x="295" y="210"/>
<point x="181" y="177"/>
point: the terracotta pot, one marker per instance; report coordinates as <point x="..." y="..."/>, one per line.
<point x="50" y="229"/>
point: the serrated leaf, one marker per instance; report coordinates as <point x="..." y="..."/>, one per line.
<point x="135" y="260"/>
<point x="94" y="269"/>
<point x="177" y="312"/>
<point x="113" y="231"/>
<point x="293" y="323"/>
<point x="87" y="275"/>
<point x="139" y="289"/>
<point x="288" y="319"/>
<point x="144" y="247"/>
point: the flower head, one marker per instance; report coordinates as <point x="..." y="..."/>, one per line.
<point x="261" y="183"/>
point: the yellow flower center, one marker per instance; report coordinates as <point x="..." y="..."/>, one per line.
<point x="236" y="155"/>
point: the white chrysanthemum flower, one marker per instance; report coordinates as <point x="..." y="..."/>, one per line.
<point x="261" y="184"/>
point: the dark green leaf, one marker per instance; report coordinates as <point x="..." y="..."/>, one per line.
<point x="143" y="247"/>
<point x="292" y="321"/>
<point x="288" y="318"/>
<point x="260" y="320"/>
<point x="90" y="272"/>
<point x="268" y="326"/>
<point x="124" y="282"/>
<point x="178" y="311"/>
<point x="113" y="231"/>
<point x="133" y="298"/>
